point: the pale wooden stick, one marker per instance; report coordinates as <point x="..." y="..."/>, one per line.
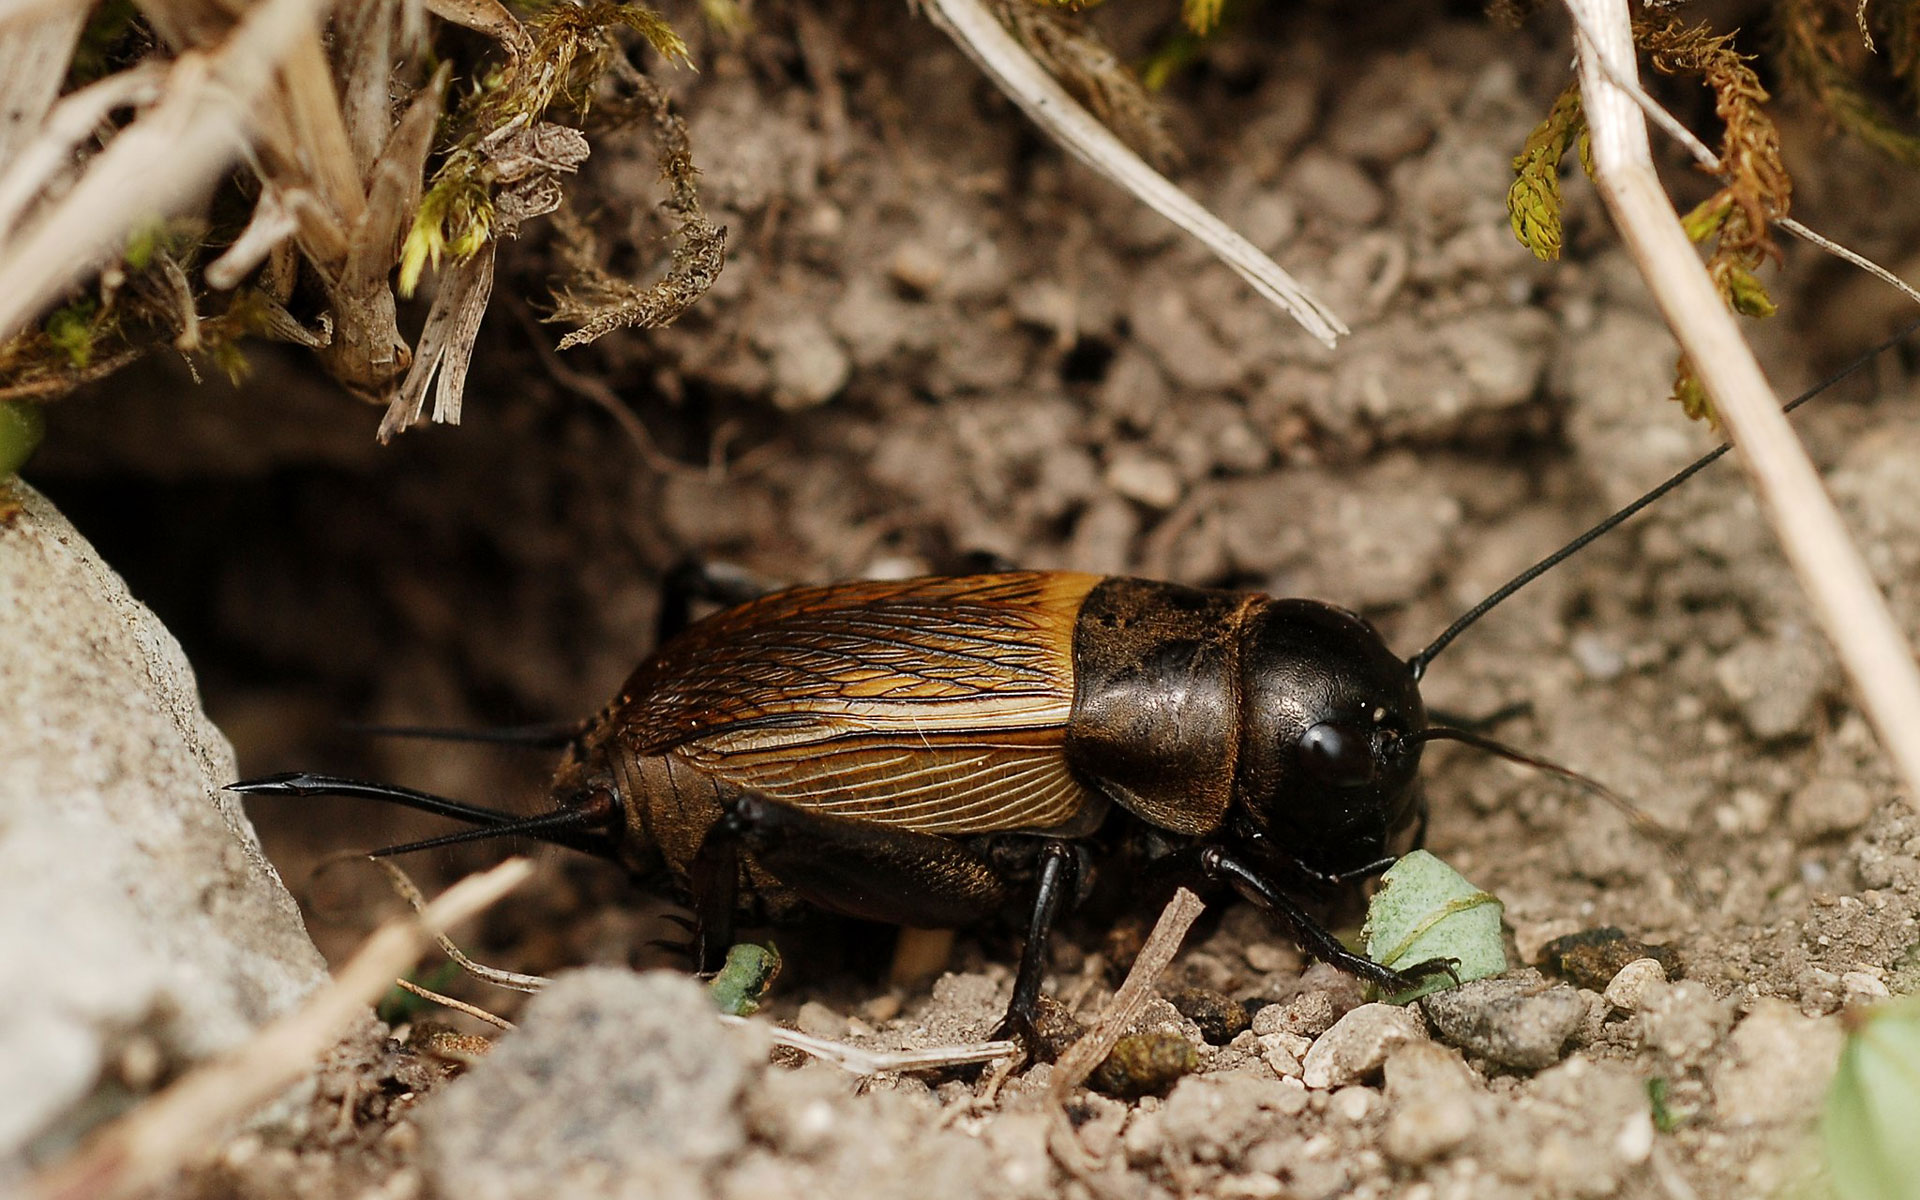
<point x="169" y="1131"/>
<point x="1836" y="579"/>
<point x="1048" y="105"/>
<point x="1671" y="125"/>
<point x="1161" y="945"/>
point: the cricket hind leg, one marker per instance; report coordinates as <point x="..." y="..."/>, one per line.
<point x="854" y="868"/>
<point x="694" y="580"/>
<point x="897" y="876"/>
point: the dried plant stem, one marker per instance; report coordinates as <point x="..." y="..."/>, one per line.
<point x="1049" y="106"/>
<point x="1835" y="577"/>
<point x="156" y="165"/>
<point x="1161" y="945"/>
<point x="1703" y="155"/>
<point x="858" y="1060"/>
<point x="459" y="1006"/>
<point x="147" y="1145"/>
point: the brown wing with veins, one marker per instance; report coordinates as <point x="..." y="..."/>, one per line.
<point x="938" y="705"/>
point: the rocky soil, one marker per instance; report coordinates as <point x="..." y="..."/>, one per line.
<point x="934" y="335"/>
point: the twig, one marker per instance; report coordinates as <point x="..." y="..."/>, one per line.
<point x="1835" y="578"/>
<point x="1705" y="156"/>
<point x="158" y="1138"/>
<point x="498" y="976"/>
<point x="459" y="1006"/>
<point x="1093" y="1047"/>
<point x="1161" y="945"/>
<point x="73" y="119"/>
<point x="33" y="60"/>
<point x="1049" y="106"/>
<point x="861" y="1061"/>
<point x="1857" y="259"/>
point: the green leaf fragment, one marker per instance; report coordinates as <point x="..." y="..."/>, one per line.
<point x="1426" y="910"/>
<point x="1872" y="1113"/>
<point x="743" y="981"/>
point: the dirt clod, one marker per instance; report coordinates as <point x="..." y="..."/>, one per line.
<point x="1145" y="1064"/>
<point x="1592" y="957"/>
<point x="1220" y="1017"/>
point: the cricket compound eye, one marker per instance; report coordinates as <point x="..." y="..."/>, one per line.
<point x="1339" y="754"/>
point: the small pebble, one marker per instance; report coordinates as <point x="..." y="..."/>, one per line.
<point x="1308" y="1014"/>
<point x="1516" y="1020"/>
<point x="1137" y="476"/>
<point x="820" y="1021"/>
<point x="1862" y="987"/>
<point x="1283" y="1052"/>
<point x="1353" y="1103"/>
<point x="1683" y="1021"/>
<point x="1357" y="1045"/>
<point x="1269" y="957"/>
<point x="1628" y="989"/>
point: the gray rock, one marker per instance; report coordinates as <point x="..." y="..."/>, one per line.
<point x="1358" y="1044"/>
<point x="1437" y="1102"/>
<point x="1516" y="1020"/>
<point x="615" y="1084"/>
<point x="141" y="928"/>
<point x="1683" y="1021"/>
<point x="1778" y="682"/>
<point x="1776" y="1066"/>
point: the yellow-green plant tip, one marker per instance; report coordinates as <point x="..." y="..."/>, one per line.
<point x="1691" y="397"/>
<point x="1533" y="212"/>
<point x="1746" y="295"/>
<point x="1201" y="16"/>
<point x="422" y="247"/>
<point x="21" y="428"/>
<point x="142" y="244"/>
<point x="1704" y="219"/>
<point x="1872" y="1110"/>
<point x="654" y="28"/>
<point x="743" y="981"/>
<point x="70" y="331"/>
<point x="1426" y="910"/>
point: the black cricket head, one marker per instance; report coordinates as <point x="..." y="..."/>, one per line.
<point x="1332" y="726"/>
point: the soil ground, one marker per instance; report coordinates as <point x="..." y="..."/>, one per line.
<point x="934" y="335"/>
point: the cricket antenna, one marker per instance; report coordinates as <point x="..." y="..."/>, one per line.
<point x="550" y="736"/>
<point x="1418" y="663"/>
<point x="1642" y="824"/>
<point x="583" y="827"/>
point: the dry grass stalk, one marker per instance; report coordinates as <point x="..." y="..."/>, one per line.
<point x="158" y="165"/>
<point x="1049" y="106"/>
<point x="170" y="1131"/>
<point x="33" y="61"/>
<point x="1160" y="947"/>
<point x="1831" y="570"/>
<point x="1091" y="1050"/>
